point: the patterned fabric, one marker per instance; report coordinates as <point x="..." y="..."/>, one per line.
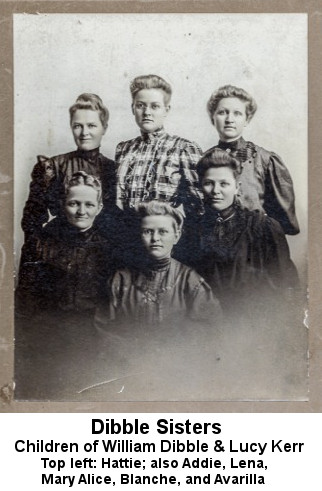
<point x="158" y="166"/>
<point x="266" y="183"/>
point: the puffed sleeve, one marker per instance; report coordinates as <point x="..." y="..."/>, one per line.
<point x="282" y="273"/>
<point x="202" y="305"/>
<point x="120" y="189"/>
<point x="279" y="198"/>
<point x="189" y="194"/>
<point x="35" y="212"/>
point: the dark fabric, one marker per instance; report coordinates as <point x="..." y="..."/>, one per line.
<point x="64" y="269"/>
<point x="49" y="177"/>
<point x="244" y="255"/>
<point x="266" y="183"/>
<point x="157" y="294"/>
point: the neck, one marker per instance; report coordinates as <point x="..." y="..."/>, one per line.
<point x="225" y="214"/>
<point x="158" y="264"/>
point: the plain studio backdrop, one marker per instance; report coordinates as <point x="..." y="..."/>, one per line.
<point x="59" y="56"/>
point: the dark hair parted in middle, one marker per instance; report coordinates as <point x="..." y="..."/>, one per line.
<point x="231" y="91"/>
<point x="92" y="102"/>
<point x="217" y="157"/>
<point x="158" y="208"/>
<point x="151" y="82"/>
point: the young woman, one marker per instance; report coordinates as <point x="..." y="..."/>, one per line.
<point x="88" y="122"/>
<point x="243" y="254"/>
<point x="156" y="165"/>
<point x="60" y="286"/>
<point x="265" y="181"/>
<point x="161" y="318"/>
<point x="69" y="261"/>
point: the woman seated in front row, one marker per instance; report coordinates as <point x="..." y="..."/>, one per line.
<point x="161" y="313"/>
<point x="69" y="261"/>
<point x="242" y="254"/>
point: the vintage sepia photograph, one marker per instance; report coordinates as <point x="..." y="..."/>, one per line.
<point x="160" y="207"/>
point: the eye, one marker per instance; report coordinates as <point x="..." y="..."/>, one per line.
<point x="139" y="105"/>
<point x="146" y="231"/>
<point x="238" y="113"/>
<point x="155" y="106"/>
<point x="76" y="126"/>
<point x="92" y="125"/>
<point x="90" y="205"/>
<point x="221" y="111"/>
<point x="163" y="231"/>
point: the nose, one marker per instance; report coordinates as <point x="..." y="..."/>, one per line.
<point x="146" y="111"/>
<point x="155" y="236"/>
<point x="215" y="189"/>
<point x="81" y="209"/>
<point x="229" y="116"/>
<point x="84" y="130"/>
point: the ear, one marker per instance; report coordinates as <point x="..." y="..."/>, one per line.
<point x="167" y="108"/>
<point x="100" y="207"/>
<point x="177" y="235"/>
<point x="105" y="129"/>
<point x="132" y="108"/>
<point x="238" y="187"/>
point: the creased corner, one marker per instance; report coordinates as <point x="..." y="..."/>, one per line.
<point x="7" y="392"/>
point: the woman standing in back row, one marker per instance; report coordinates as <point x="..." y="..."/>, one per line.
<point x="266" y="183"/>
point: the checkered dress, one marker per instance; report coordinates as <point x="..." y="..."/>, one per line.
<point x="158" y="166"/>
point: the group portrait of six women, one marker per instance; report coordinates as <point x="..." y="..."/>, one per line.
<point x="164" y="241"/>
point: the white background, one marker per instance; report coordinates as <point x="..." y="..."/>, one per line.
<point x="59" y="56"/>
<point x="295" y="471"/>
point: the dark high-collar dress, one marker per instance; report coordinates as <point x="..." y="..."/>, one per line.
<point x="244" y="256"/>
<point x="266" y="183"/>
<point x="65" y="269"/>
<point x="48" y="180"/>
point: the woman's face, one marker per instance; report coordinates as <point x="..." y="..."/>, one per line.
<point x="87" y="129"/>
<point x="219" y="187"/>
<point x="150" y="110"/>
<point x="159" y="235"/>
<point x="230" y="118"/>
<point x="82" y="206"/>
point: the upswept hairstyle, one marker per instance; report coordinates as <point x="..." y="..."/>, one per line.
<point x="215" y="158"/>
<point x="92" y="102"/>
<point x="160" y="208"/>
<point x="231" y="91"/>
<point x="81" y="178"/>
<point x="150" y="82"/>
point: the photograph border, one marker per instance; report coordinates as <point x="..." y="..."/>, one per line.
<point x="7" y="9"/>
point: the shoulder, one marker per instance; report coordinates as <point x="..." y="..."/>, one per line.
<point x="190" y="277"/>
<point x="63" y="157"/>
<point x="106" y="160"/>
<point x="184" y="144"/>
<point x="267" y="156"/>
<point x="128" y="143"/>
<point x="261" y="223"/>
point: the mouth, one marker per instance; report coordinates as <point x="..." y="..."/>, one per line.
<point x="147" y="120"/>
